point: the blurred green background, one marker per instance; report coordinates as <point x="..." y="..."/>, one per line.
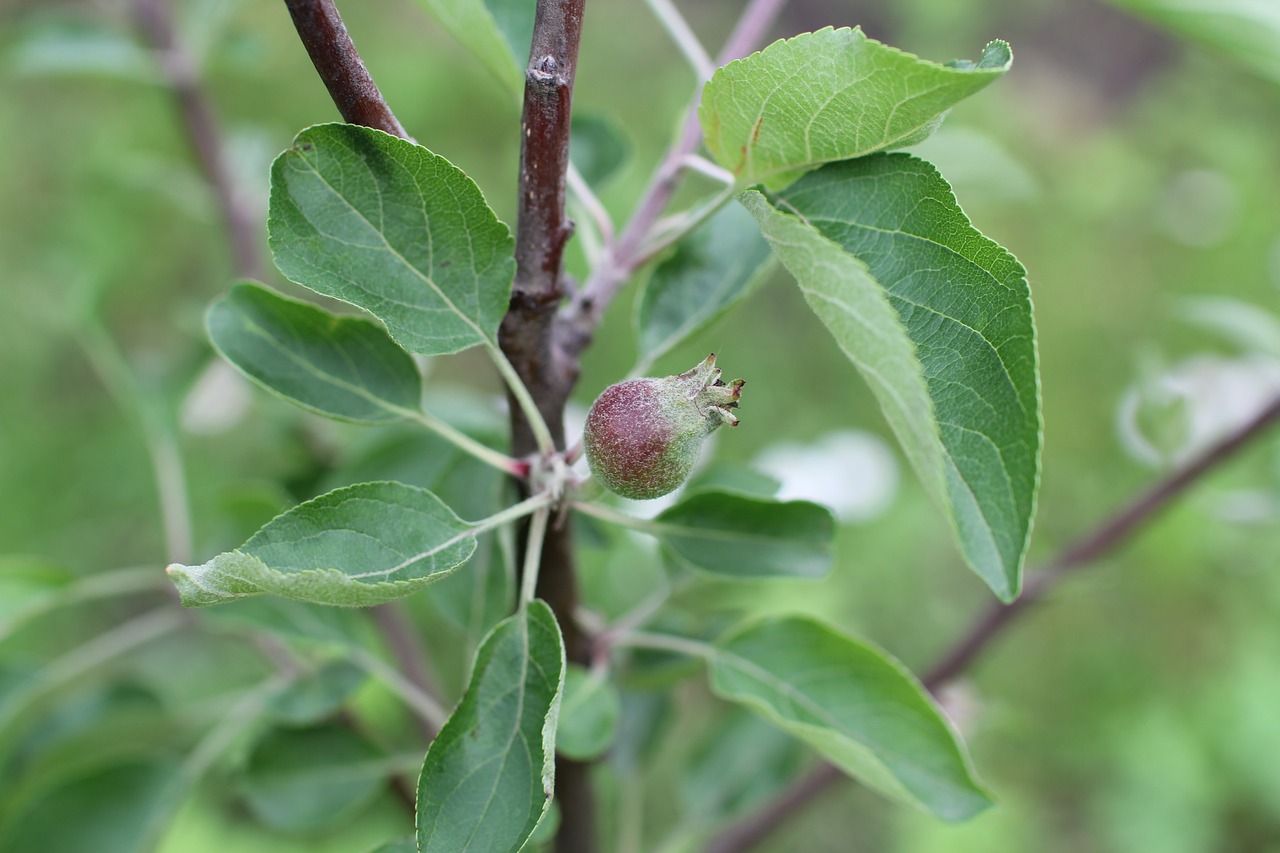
<point x="1134" y="171"/>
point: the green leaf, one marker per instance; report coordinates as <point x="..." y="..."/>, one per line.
<point x="489" y="775"/>
<point x="28" y="585"/>
<point x="597" y="148"/>
<point x="709" y="271"/>
<point x="385" y="224"/>
<point x="479" y="594"/>
<point x="938" y="319"/>
<point x="744" y="763"/>
<point x="515" y="21"/>
<point x="106" y="810"/>
<point x="857" y="706"/>
<point x="343" y="367"/>
<point x="588" y="715"/>
<point x="1247" y="30"/>
<point x="748" y="537"/>
<point x="304" y="780"/>
<point x="81" y="46"/>
<point x="830" y="95"/>
<point x="317" y="694"/>
<point x="475" y="24"/>
<point x="353" y="547"/>
<point x="31" y="587"/>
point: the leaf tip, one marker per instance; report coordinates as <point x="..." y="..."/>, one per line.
<point x="181" y="577"/>
<point x="996" y="55"/>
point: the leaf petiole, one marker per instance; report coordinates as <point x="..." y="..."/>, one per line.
<point x="520" y="391"/>
<point x="667" y="642"/>
<point x="533" y="555"/>
<point x="684" y="224"/>
<point x="682" y="34"/>
<point x="486" y="454"/>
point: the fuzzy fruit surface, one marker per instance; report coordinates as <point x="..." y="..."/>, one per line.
<point x="643" y="436"/>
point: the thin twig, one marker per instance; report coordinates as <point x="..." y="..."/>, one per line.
<point x="624" y="256"/>
<point x="167" y="468"/>
<point x="1113" y="532"/>
<point x="87" y="658"/>
<point x="155" y="20"/>
<point x="590" y="202"/>
<point x="684" y="37"/>
<point x="339" y="65"/>
<point x="430" y="712"/>
<point x="405" y="645"/>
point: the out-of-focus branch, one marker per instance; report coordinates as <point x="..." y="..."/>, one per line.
<point x="155" y="20"/>
<point x="405" y="645"/>
<point x="334" y="55"/>
<point x="1111" y="533"/>
<point x="1114" y="531"/>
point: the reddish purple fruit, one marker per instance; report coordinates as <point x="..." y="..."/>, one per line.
<point x="643" y="435"/>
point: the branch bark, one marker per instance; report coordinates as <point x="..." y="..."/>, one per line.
<point x="1111" y="533"/>
<point x="334" y="55"/>
<point x="155" y="20"/>
<point x="542" y="230"/>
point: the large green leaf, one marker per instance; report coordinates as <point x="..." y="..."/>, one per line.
<point x="1247" y="30"/>
<point x="479" y="594"/>
<point x="305" y="780"/>
<point x="489" y="775"/>
<point x="496" y="32"/>
<point x="384" y="224"/>
<point x="344" y="367"/>
<point x="748" y="537"/>
<point x="354" y="547"/>
<point x="708" y="272"/>
<point x="938" y="319"/>
<point x="830" y="95"/>
<point x="857" y="706"/>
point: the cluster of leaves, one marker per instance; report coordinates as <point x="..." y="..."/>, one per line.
<point x="936" y="317"/>
<point x="889" y="264"/>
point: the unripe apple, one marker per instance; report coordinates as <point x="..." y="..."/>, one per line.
<point x="643" y="436"/>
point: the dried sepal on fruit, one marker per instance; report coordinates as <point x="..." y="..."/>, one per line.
<point x="643" y="436"/>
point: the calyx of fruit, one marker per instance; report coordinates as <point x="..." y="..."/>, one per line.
<point x="643" y="436"/>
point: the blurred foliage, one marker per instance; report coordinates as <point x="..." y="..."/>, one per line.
<point x="1130" y="169"/>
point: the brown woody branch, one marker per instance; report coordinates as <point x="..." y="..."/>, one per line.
<point x="542" y="230"/>
<point x="155" y="20"/>
<point x="1113" y="532"/>
<point x="339" y="65"/>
